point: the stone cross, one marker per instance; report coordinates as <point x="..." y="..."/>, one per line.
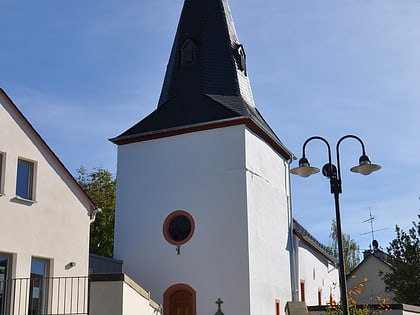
<point x="219" y="303"/>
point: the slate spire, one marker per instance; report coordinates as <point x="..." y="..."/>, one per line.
<point x="206" y="82"/>
<point x="206" y="56"/>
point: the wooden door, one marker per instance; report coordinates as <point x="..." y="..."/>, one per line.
<point x="181" y="303"/>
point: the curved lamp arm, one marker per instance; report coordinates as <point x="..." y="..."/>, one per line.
<point x="365" y="166"/>
<point x="305" y="169"/>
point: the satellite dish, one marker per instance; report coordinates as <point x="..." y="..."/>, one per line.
<point x="375" y="244"/>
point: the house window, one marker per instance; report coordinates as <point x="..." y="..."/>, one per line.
<point x="302" y="290"/>
<point x="2" y="162"/>
<point x="25" y="179"/>
<point x="38" y="289"/>
<point x="5" y="285"/>
<point x="179" y="299"/>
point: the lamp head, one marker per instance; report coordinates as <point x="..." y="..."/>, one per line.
<point x="304" y="169"/>
<point x="365" y="166"/>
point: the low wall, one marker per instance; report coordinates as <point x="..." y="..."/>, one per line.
<point x="389" y="309"/>
<point x="117" y="294"/>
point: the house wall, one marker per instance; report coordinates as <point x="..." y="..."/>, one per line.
<point x="233" y="186"/>
<point x="367" y="274"/>
<point x="318" y="275"/>
<point x="106" y="297"/>
<point x="56" y="225"/>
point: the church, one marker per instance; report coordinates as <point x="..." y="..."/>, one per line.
<point x="203" y="210"/>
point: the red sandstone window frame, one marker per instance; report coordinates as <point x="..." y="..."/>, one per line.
<point x="302" y="290"/>
<point x="277" y="307"/>
<point x="168" y="220"/>
<point x="319" y="296"/>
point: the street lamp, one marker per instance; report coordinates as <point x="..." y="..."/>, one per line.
<point x="332" y="172"/>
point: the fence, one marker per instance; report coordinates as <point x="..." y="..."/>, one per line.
<point x="44" y="296"/>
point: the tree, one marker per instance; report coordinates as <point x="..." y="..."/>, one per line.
<point x="100" y="185"/>
<point x="350" y="248"/>
<point x="404" y="256"/>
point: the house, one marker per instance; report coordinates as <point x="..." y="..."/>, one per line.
<point x="203" y="194"/>
<point x="44" y="219"/>
<point x="367" y="288"/>
<point x="44" y="246"/>
<point x="366" y="278"/>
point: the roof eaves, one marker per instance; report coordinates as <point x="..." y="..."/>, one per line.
<point x="364" y="261"/>
<point x="249" y="121"/>
<point x="286" y="153"/>
<point x="176" y="130"/>
<point x="309" y="239"/>
<point x="49" y="150"/>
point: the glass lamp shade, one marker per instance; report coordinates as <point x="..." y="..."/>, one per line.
<point x="305" y="169"/>
<point x="365" y="166"/>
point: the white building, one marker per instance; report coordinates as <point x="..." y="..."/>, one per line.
<point x="44" y="245"/>
<point x="317" y="271"/>
<point x="203" y="187"/>
<point x="44" y="223"/>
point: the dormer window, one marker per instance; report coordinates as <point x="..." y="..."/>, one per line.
<point x="241" y="58"/>
<point x="188" y="51"/>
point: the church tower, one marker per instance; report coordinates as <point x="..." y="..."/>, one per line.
<point x="202" y="182"/>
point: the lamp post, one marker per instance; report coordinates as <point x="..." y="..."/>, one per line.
<point x="332" y="172"/>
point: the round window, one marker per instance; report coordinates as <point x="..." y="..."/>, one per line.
<point x="178" y="227"/>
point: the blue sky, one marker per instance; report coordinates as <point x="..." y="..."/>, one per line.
<point x="85" y="71"/>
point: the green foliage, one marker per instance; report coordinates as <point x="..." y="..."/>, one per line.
<point x="404" y="256"/>
<point x="334" y="308"/>
<point x="350" y="248"/>
<point x="100" y="185"/>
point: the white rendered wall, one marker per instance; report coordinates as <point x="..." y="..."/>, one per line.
<point x="233" y="184"/>
<point x="135" y="304"/>
<point x="56" y="226"/>
<point x="268" y="220"/>
<point x="317" y="274"/>
<point x="204" y="174"/>
<point x="120" y="297"/>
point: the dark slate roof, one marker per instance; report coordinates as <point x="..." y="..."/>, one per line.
<point x="312" y="241"/>
<point x="214" y="87"/>
<point x="376" y="254"/>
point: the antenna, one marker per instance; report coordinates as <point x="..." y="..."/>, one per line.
<point x="375" y="243"/>
<point x="370" y="220"/>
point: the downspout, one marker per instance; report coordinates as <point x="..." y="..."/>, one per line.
<point x="294" y="258"/>
<point x="92" y="215"/>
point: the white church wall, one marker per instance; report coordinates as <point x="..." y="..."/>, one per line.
<point x="204" y="174"/>
<point x="268" y="219"/>
<point x="318" y="275"/>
